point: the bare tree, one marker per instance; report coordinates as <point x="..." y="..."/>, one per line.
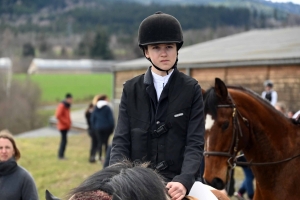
<point x="18" y="111"/>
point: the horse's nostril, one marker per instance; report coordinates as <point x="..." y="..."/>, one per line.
<point x="218" y="183"/>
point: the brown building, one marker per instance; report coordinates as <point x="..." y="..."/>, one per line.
<point x="246" y="59"/>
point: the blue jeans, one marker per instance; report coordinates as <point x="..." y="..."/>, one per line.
<point x="63" y="143"/>
<point x="247" y="185"/>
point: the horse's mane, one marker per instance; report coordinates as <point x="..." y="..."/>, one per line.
<point x="211" y="99"/>
<point x="124" y="181"/>
<point x="210" y="102"/>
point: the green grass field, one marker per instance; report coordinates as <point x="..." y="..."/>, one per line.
<point x="39" y="157"/>
<point x="83" y="86"/>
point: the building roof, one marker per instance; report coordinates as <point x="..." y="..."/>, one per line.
<point x="255" y="47"/>
<point x="5" y="63"/>
<point x="38" y="64"/>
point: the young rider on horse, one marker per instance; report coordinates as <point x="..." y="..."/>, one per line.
<point x="161" y="116"/>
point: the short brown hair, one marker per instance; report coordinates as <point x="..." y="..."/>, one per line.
<point x="7" y="135"/>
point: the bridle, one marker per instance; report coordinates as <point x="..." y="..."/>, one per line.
<point x="232" y="157"/>
<point x="236" y="131"/>
<point x="232" y="153"/>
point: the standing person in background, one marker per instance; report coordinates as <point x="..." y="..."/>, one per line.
<point x="87" y="115"/>
<point x="247" y="184"/>
<point x="102" y="123"/>
<point x="280" y="106"/>
<point x="15" y="181"/>
<point x="290" y="114"/>
<point x="296" y="117"/>
<point x="63" y="123"/>
<point x="161" y="117"/>
<point x="269" y="93"/>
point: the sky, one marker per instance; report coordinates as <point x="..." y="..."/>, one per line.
<point x="285" y="1"/>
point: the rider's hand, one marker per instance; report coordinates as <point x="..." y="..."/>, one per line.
<point x="176" y="190"/>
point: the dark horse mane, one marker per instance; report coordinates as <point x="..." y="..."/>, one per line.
<point x="211" y="99"/>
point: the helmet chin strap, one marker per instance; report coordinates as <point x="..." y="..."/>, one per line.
<point x="167" y="71"/>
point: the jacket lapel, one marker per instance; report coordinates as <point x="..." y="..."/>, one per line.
<point x="175" y="85"/>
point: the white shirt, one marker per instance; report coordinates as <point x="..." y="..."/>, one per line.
<point x="273" y="96"/>
<point x="296" y="114"/>
<point x="160" y="82"/>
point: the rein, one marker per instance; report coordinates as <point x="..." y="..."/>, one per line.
<point x="266" y="163"/>
<point x="234" y="143"/>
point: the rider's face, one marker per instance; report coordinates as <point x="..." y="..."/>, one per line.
<point x="162" y="55"/>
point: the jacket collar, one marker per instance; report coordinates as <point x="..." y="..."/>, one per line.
<point x="148" y="79"/>
<point x="66" y="104"/>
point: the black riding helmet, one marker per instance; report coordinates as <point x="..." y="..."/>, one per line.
<point x="160" y="28"/>
<point x="268" y="83"/>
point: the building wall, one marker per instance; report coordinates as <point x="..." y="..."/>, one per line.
<point x="286" y="80"/>
<point x="121" y="77"/>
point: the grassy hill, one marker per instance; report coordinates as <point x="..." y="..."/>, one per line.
<point x="83" y="86"/>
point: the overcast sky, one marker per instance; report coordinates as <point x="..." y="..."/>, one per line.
<point x="294" y="1"/>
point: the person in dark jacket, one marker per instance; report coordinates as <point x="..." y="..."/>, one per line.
<point x="87" y="115"/>
<point x="63" y="123"/>
<point x="102" y="123"/>
<point x="161" y="116"/>
<point x="15" y="181"/>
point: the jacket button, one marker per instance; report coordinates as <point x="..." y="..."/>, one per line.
<point x="158" y="122"/>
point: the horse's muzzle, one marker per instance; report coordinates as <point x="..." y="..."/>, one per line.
<point x="218" y="183"/>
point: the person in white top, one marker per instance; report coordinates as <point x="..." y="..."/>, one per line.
<point x="269" y="93"/>
<point x="297" y="115"/>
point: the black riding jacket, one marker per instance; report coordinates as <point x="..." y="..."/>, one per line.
<point x="178" y="148"/>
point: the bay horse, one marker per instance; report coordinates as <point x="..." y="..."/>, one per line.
<point x="242" y="120"/>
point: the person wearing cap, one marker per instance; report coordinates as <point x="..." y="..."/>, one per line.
<point x="161" y="118"/>
<point x="15" y="181"/>
<point x="63" y="123"/>
<point x="269" y="93"/>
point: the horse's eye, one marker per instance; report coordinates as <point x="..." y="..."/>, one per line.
<point x="225" y="125"/>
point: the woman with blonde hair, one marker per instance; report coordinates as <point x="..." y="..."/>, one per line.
<point x="16" y="182"/>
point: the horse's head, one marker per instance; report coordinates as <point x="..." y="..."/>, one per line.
<point x="222" y="138"/>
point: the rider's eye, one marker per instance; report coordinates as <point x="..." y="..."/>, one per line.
<point x="225" y="125"/>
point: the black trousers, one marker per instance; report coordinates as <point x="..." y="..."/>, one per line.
<point x="94" y="144"/>
<point x="99" y="138"/>
<point x="63" y="143"/>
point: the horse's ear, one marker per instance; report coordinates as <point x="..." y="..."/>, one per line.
<point x="221" y="89"/>
<point x="49" y="196"/>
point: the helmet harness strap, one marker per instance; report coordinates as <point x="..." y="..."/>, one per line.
<point x="167" y="71"/>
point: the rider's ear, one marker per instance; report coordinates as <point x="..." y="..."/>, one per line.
<point x="221" y="89"/>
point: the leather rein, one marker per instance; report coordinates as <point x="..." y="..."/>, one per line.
<point x="232" y="160"/>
